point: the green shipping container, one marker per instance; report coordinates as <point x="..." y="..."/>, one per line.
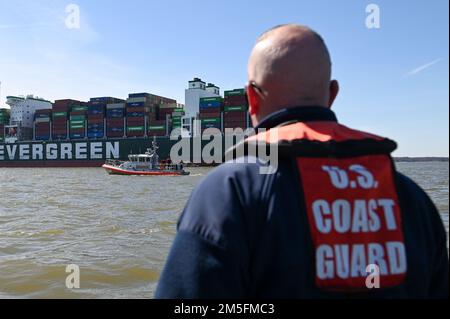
<point x="75" y="127"/>
<point x="72" y="122"/>
<point x="77" y="117"/>
<point x="135" y="128"/>
<point x="211" y="120"/>
<point x="79" y="108"/>
<point x="211" y="99"/>
<point x="235" y="92"/>
<point x="235" y="108"/>
<point x="156" y="127"/>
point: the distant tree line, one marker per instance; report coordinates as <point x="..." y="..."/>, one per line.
<point x="421" y="159"/>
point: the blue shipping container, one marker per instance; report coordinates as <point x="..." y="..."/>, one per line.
<point x="210" y="104"/>
<point x="95" y="135"/>
<point x="135" y="104"/>
<point x="95" y="112"/>
<point x="115" y="116"/>
<point x="99" y="99"/>
<point x="115" y="113"/>
<point x="95" y="126"/>
<point x="77" y="135"/>
<point x="95" y="131"/>
<point x="59" y="136"/>
<point x="100" y="107"/>
<point x="42" y="137"/>
<point x="97" y="106"/>
<point x="218" y="109"/>
<point x="115" y="129"/>
<point x="135" y="114"/>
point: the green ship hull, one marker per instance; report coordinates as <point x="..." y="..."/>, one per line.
<point x="93" y="153"/>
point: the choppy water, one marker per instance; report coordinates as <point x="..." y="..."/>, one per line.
<point x="117" y="229"/>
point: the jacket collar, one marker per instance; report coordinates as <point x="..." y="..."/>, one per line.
<point x="297" y="114"/>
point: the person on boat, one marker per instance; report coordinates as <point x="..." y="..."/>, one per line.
<point x="180" y="166"/>
<point x="334" y="220"/>
<point x="169" y="163"/>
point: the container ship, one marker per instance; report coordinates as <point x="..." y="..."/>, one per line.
<point x="35" y="132"/>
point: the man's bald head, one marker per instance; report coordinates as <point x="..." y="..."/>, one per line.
<point x="292" y="66"/>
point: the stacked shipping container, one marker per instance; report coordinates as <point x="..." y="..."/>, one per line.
<point x="42" y="122"/>
<point x="140" y="106"/>
<point x="60" y="117"/>
<point x="96" y="112"/>
<point x="165" y="111"/>
<point x="235" y="113"/>
<point x="177" y="116"/>
<point x="96" y="119"/>
<point x="157" y="128"/>
<point x="156" y="110"/>
<point x="137" y="112"/>
<point x="115" y="120"/>
<point x="211" y="113"/>
<point x="136" y="121"/>
<point x="142" y="114"/>
<point x="77" y="121"/>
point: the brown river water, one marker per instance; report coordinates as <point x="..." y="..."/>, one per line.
<point x="117" y="229"/>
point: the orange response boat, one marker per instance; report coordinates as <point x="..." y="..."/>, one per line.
<point x="144" y="164"/>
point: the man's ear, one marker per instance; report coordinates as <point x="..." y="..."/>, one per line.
<point x="253" y="100"/>
<point x="334" y="90"/>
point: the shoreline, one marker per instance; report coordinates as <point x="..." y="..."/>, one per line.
<point x="421" y="159"/>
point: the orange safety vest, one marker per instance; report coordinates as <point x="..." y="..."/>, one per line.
<point x="347" y="181"/>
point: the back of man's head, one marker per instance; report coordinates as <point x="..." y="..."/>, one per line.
<point x="289" y="66"/>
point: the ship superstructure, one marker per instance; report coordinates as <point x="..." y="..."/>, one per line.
<point x="21" y="120"/>
<point x="77" y="133"/>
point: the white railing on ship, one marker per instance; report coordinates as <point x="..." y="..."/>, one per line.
<point x="113" y="162"/>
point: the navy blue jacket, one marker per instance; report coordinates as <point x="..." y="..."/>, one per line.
<point x="243" y="234"/>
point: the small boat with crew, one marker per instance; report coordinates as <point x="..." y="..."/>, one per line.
<point x="144" y="164"/>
